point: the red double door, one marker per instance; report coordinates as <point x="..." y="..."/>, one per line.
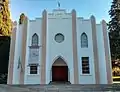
<point x="60" y="73"/>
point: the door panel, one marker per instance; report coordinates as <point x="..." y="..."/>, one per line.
<point x="59" y="73"/>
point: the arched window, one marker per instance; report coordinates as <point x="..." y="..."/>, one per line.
<point x="35" y="40"/>
<point x="84" y="41"/>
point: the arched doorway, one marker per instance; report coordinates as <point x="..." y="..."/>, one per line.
<point x="59" y="71"/>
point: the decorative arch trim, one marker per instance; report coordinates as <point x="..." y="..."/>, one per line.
<point x="35" y="39"/>
<point x="84" y="33"/>
<point x="84" y="40"/>
<point x="58" y="58"/>
<point x="34" y="34"/>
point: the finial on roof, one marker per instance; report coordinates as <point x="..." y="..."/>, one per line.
<point x="22" y="18"/>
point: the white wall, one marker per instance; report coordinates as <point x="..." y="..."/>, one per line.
<point x="16" y="71"/>
<point x="34" y="26"/>
<point x="58" y="25"/>
<point x="61" y="22"/>
<point x="101" y="54"/>
<point x="85" y="26"/>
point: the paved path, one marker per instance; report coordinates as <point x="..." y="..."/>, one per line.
<point x="59" y="88"/>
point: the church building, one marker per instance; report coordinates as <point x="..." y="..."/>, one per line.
<point x="59" y="47"/>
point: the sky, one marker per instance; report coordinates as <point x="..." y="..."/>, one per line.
<point x="84" y="8"/>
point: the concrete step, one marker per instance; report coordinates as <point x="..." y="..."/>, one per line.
<point x="58" y="88"/>
<point x="59" y="83"/>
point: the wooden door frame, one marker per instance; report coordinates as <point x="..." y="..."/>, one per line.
<point x="66" y="70"/>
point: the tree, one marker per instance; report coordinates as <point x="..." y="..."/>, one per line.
<point x="114" y="36"/>
<point x="116" y="67"/>
<point x="114" y="29"/>
<point x="5" y="21"/>
<point x="5" y="33"/>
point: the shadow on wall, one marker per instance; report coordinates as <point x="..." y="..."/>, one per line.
<point x="4" y="58"/>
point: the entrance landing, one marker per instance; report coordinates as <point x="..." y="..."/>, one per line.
<point x="60" y="83"/>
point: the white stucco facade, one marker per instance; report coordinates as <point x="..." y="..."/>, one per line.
<point x="67" y="24"/>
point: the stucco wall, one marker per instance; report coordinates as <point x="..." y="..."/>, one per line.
<point x="84" y="26"/>
<point x="18" y="48"/>
<point x="101" y="54"/>
<point x="61" y="22"/>
<point x="56" y="25"/>
<point x="34" y="26"/>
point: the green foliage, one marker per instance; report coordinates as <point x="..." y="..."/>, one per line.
<point x="114" y="29"/>
<point x="3" y="78"/>
<point x="22" y="18"/>
<point x="5" y="21"/>
<point x="4" y="58"/>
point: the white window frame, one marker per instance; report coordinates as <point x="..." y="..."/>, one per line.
<point x="35" y="43"/>
<point x="28" y="69"/>
<point x="82" y="74"/>
<point x="83" y="44"/>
